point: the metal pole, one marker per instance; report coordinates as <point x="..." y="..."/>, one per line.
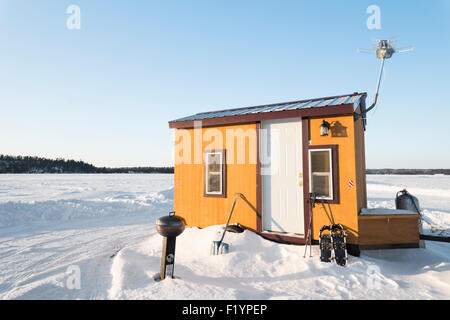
<point x="312" y="197"/>
<point x="310" y="241"/>
<point x="307" y="236"/>
<point x="375" y="98"/>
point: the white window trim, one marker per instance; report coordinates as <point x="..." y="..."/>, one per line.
<point x="330" y="180"/>
<point x="219" y="173"/>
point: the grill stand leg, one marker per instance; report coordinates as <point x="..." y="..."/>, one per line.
<point x="168" y="257"/>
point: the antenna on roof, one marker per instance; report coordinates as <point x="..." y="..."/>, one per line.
<point x="384" y="50"/>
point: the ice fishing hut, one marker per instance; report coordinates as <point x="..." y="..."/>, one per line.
<point x="276" y="155"/>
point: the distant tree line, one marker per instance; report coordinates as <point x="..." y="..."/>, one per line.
<point x="408" y="171"/>
<point x="19" y="164"/>
<point x="137" y="170"/>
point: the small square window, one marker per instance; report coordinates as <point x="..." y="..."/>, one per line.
<point x="322" y="181"/>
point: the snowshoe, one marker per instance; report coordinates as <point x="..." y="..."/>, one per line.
<point x="325" y="244"/>
<point x="338" y="237"/>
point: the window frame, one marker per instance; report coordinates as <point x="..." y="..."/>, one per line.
<point x="334" y="172"/>
<point x="223" y="174"/>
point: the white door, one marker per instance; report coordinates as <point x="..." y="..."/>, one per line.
<point x="282" y="175"/>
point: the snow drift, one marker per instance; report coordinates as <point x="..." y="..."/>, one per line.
<point x="259" y="269"/>
<point x="105" y="226"/>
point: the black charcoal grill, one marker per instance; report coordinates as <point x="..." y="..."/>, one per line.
<point x="169" y="227"/>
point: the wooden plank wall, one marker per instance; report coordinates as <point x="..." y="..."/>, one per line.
<point x="388" y="229"/>
<point x="346" y="211"/>
<point x="189" y="199"/>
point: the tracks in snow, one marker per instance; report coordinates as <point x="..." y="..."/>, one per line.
<point x="35" y="265"/>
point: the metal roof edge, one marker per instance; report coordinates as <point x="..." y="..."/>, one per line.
<point x="356" y="104"/>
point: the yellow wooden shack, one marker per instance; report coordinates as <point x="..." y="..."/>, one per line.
<point x="276" y="155"/>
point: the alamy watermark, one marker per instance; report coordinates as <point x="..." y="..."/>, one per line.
<point x="373" y="277"/>
<point x="74" y="20"/>
<point x="241" y="143"/>
<point x="73" y="279"/>
<point x="374" y="20"/>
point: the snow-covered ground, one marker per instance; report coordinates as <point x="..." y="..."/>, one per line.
<point x="433" y="193"/>
<point x="104" y="226"/>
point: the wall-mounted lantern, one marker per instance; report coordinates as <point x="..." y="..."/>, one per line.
<point x="324" y="128"/>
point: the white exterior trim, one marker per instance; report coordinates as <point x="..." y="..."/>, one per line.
<point x="214" y="173"/>
<point x="330" y="180"/>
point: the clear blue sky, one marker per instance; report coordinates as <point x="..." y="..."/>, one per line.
<point x="105" y="93"/>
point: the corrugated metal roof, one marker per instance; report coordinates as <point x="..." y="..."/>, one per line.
<point x="354" y="99"/>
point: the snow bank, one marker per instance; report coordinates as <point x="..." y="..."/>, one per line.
<point x="104" y="224"/>
<point x="38" y="198"/>
<point x="14" y="213"/>
<point x="259" y="269"/>
<point x="44" y="187"/>
<point x="68" y="197"/>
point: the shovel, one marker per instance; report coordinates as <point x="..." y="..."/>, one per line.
<point x="220" y="247"/>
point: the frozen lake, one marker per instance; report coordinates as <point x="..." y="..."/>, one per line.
<point x="104" y="225"/>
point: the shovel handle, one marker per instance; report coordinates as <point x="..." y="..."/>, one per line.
<point x="228" y="221"/>
<point x="236" y="197"/>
